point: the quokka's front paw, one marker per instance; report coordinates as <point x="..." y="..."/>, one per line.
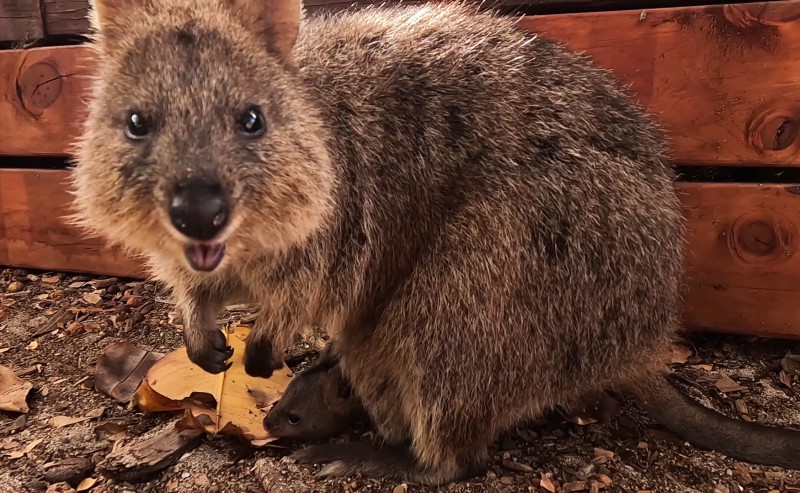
<point x="211" y="352"/>
<point x="259" y="358"/>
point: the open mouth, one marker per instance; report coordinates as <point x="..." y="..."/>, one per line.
<point x="204" y="257"/>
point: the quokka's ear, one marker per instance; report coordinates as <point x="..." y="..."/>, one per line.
<point x="277" y="22"/>
<point x="108" y="16"/>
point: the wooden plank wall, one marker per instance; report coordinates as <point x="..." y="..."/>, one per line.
<point x="724" y="80"/>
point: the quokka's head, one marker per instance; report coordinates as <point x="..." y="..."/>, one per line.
<point x="200" y="146"/>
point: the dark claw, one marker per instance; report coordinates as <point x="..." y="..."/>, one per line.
<point x="259" y="360"/>
<point x="213" y="356"/>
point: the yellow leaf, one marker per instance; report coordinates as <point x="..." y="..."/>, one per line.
<point x="229" y="403"/>
<point x="33" y="345"/>
<point x="86" y="484"/>
<point x="19" y="453"/>
<point x="13" y="391"/>
<point x="62" y="421"/>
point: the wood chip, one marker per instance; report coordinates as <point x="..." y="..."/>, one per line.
<point x="517" y="466"/>
<point x="741" y="406"/>
<point x="51" y="279"/>
<point x="703" y="367"/>
<point x="93" y="299"/>
<point x="72" y="470"/>
<point x="141" y="459"/>
<point x="742" y="473"/>
<point x="547" y="483"/>
<point x="607" y="481"/>
<point x="599" y="452"/>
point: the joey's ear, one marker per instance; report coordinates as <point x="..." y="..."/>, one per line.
<point x="108" y="16"/>
<point x="277" y="22"/>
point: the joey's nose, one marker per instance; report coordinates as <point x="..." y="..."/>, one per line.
<point x="198" y="209"/>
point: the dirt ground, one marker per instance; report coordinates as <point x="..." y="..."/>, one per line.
<point x="625" y="453"/>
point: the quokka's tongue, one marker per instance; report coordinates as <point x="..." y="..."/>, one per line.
<point x="205" y="257"/>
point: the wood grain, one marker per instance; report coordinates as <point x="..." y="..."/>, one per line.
<point x="742" y="260"/>
<point x="723" y="79"/>
<point x="743" y="264"/>
<point x="41" y="93"/>
<point x="692" y="67"/>
<point x="34" y="234"/>
<point x="20" y="20"/>
<point x="66" y="17"/>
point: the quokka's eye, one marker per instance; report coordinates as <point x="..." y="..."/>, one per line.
<point x="294" y="419"/>
<point x="251" y="122"/>
<point x="137" y="127"/>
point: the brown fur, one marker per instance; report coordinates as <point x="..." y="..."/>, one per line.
<point x="483" y="221"/>
<point x="318" y="403"/>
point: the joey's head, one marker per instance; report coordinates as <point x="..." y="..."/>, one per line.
<point x="318" y="403"/>
<point x="200" y="145"/>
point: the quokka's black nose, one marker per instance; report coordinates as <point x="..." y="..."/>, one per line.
<point x="199" y="209"/>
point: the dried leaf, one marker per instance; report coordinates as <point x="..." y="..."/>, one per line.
<point x="13" y="391"/>
<point x="96" y="413"/>
<point x="20" y="453"/>
<point x="62" y="421"/>
<point x="263" y="399"/>
<point x="33" y="345"/>
<point x="86" y="484"/>
<point x="17" y="425"/>
<point x="785" y="379"/>
<point x="546" y="483"/>
<point x="791" y="364"/>
<point x="51" y="279"/>
<point x="703" y="367"/>
<point x="727" y="384"/>
<point x="116" y="431"/>
<point x="226" y="403"/>
<point x="681" y="353"/>
<point x="121" y="368"/>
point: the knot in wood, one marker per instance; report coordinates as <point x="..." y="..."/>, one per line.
<point x="779" y="133"/>
<point x="776" y="131"/>
<point x="757" y="238"/>
<point x="39" y="86"/>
